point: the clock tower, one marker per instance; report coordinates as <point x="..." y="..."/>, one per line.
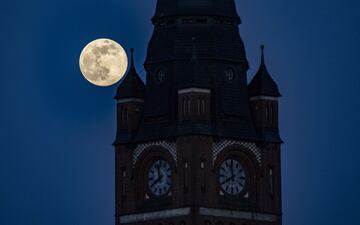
<point x="197" y="144"/>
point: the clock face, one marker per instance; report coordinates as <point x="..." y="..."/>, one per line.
<point x="232" y="177"/>
<point x="159" y="178"/>
<point x="160" y="75"/>
<point x="230" y="74"/>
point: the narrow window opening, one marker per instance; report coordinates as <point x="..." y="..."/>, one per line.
<point x="122" y="116"/>
<point x="185" y="176"/>
<point x="199" y="102"/>
<point x="203" y="103"/>
<point x="123" y="191"/>
<point x="271" y="177"/>
<point x="188" y="106"/>
<point x="203" y="177"/>
<point x="126" y="117"/>
<point x="273" y="114"/>
<point x="267" y="113"/>
<point x="184" y="106"/>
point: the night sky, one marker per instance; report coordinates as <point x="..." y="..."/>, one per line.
<point x="57" y="162"/>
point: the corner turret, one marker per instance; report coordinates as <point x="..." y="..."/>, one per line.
<point x="130" y="100"/>
<point x="264" y="94"/>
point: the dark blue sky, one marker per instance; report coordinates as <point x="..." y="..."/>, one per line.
<point x="56" y="162"/>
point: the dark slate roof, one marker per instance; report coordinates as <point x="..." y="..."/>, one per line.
<point x="224" y="8"/>
<point x="263" y="84"/>
<point x="196" y="56"/>
<point x="132" y="86"/>
<point x="219" y="42"/>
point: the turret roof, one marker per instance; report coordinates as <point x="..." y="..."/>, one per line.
<point x="262" y="83"/>
<point x="132" y="86"/>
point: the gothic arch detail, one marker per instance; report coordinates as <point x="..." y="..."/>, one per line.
<point x="170" y="147"/>
<point x="218" y="147"/>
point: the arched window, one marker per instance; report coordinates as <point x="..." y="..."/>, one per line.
<point x="186" y="176"/>
<point x="199" y="105"/>
<point x="203" y="176"/>
<point x="273" y="118"/>
<point x="267" y="113"/>
<point x="123" y="173"/>
<point x="271" y="180"/>
<point x="184" y="106"/>
<point x="188" y="106"/>
<point x="203" y="104"/>
<point x="122" y="115"/>
<point x="126" y="115"/>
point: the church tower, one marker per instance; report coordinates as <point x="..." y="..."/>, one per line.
<point x="197" y="144"/>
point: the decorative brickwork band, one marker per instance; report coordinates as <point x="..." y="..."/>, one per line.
<point x="170" y="147"/>
<point x="218" y="147"/>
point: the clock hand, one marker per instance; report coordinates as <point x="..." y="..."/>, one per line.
<point x="228" y="179"/>
<point x="232" y="168"/>
<point x="158" y="171"/>
<point x="157" y="180"/>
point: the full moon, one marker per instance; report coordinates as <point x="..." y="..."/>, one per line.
<point x="103" y="62"/>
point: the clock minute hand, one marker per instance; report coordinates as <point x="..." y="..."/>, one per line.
<point x="228" y="179"/>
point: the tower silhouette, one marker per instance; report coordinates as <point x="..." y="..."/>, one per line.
<point x="197" y="144"/>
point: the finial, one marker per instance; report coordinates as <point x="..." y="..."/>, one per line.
<point x="132" y="57"/>
<point x="262" y="54"/>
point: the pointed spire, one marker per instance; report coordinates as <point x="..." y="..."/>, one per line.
<point x="131" y="85"/>
<point x="262" y="55"/>
<point x="262" y="83"/>
<point x="132" y="64"/>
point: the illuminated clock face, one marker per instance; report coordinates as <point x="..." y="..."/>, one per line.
<point x="159" y="178"/>
<point x="232" y="177"/>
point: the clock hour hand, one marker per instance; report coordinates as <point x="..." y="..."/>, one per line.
<point x="157" y="180"/>
<point x="228" y="179"/>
